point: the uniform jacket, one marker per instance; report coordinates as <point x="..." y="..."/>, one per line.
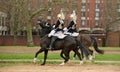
<point x="71" y="27"/>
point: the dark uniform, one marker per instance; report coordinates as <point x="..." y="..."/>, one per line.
<point x="58" y="27"/>
<point x="72" y="27"/>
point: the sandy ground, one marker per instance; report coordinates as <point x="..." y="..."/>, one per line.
<point x="58" y="68"/>
<point x="54" y="67"/>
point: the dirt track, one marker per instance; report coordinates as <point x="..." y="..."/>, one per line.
<point x="58" y="68"/>
<point x="54" y="67"/>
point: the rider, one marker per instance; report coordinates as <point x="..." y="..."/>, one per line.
<point x="58" y="29"/>
<point x="71" y="28"/>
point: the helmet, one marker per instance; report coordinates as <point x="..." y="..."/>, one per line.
<point x="73" y="15"/>
<point x="61" y="15"/>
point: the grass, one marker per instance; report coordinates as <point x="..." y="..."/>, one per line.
<point x="113" y="57"/>
<point x="56" y="55"/>
<point x="108" y="48"/>
<point x="52" y="56"/>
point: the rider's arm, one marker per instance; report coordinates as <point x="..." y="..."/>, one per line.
<point x="57" y="24"/>
<point x="70" y="25"/>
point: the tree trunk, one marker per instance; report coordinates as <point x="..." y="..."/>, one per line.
<point x="29" y="35"/>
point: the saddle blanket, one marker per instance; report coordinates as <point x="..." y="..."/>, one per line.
<point x="58" y="34"/>
<point x="74" y="34"/>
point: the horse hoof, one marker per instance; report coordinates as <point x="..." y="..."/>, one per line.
<point x="90" y="57"/>
<point x="35" y="60"/>
<point x="92" y="61"/>
<point x="63" y="63"/>
<point x="42" y="64"/>
<point x="81" y="62"/>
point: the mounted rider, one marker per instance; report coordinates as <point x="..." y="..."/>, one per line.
<point x="57" y="32"/>
<point x="71" y="28"/>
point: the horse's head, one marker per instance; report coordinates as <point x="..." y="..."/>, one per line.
<point x="46" y="28"/>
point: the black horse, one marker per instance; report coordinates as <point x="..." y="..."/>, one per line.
<point x="65" y="45"/>
<point x="46" y="28"/>
<point x="83" y="41"/>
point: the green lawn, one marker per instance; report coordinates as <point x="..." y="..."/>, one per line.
<point x="115" y="57"/>
<point x="108" y="48"/>
<point x="51" y="56"/>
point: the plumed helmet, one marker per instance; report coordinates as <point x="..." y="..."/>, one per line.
<point x="61" y="15"/>
<point x="73" y="15"/>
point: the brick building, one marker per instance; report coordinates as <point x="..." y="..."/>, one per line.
<point x="90" y="16"/>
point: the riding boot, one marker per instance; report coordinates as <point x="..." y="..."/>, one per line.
<point x="52" y="42"/>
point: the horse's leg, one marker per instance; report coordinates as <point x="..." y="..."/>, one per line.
<point x="91" y="51"/>
<point x="78" y="54"/>
<point x="45" y="57"/>
<point x="74" y="56"/>
<point x="91" y="56"/>
<point x="66" y="58"/>
<point x="84" y="51"/>
<point x="61" y="54"/>
<point x="35" y="59"/>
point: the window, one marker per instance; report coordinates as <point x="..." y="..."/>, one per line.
<point x="83" y="5"/>
<point x="97" y="6"/>
<point x="96" y="22"/>
<point x="83" y="14"/>
<point x="97" y="1"/>
<point x="97" y="14"/>
<point x="83" y="1"/>
<point x="83" y="22"/>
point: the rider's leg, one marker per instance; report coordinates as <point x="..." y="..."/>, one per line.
<point x="52" y="42"/>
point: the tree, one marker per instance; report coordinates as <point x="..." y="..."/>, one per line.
<point x="109" y="16"/>
<point x="20" y="15"/>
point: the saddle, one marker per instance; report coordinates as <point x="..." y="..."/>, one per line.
<point x="58" y="34"/>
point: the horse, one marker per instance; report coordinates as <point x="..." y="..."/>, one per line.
<point x="83" y="41"/>
<point x="66" y="45"/>
<point x="86" y="41"/>
<point x="46" y="28"/>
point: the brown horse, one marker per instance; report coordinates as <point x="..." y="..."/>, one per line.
<point x="65" y="45"/>
<point x="86" y="41"/>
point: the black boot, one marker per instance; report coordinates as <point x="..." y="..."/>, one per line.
<point x="52" y="42"/>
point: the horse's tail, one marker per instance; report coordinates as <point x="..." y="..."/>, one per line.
<point x="96" y="46"/>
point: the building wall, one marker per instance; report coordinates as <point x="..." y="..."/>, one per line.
<point x="21" y="40"/>
<point x="113" y="39"/>
<point x="90" y="11"/>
